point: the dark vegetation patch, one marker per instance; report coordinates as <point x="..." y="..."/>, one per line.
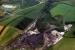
<point x="24" y="23"/>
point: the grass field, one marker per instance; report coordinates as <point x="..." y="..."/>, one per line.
<point x="66" y="9"/>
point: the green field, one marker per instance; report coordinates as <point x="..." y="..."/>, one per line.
<point x="65" y="44"/>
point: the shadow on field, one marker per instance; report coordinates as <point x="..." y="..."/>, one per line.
<point x="50" y="48"/>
